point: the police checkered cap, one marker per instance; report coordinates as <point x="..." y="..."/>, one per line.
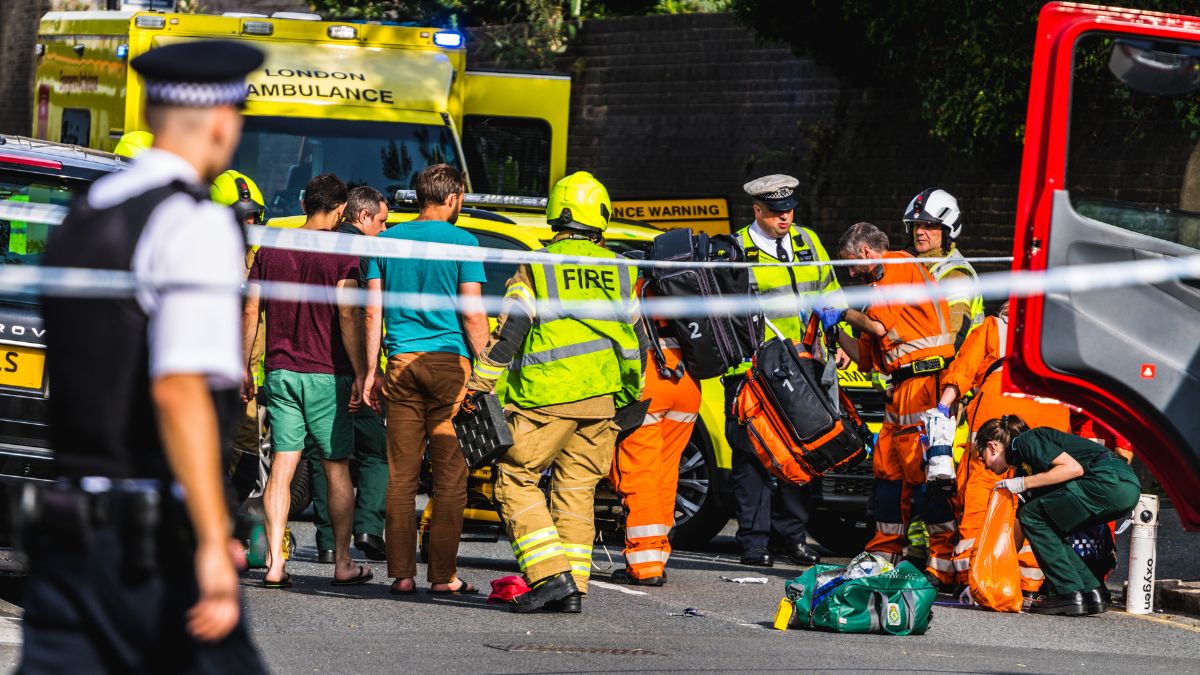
<point x="771" y="188"/>
<point x="197" y="94"/>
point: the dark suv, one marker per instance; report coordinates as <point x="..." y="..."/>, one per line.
<point x="31" y="172"/>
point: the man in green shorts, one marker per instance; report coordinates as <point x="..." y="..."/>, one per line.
<point x="315" y="371"/>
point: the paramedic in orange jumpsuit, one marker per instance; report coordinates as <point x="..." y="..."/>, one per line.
<point x="646" y="470"/>
<point x="979" y="368"/>
<point x="913" y="343"/>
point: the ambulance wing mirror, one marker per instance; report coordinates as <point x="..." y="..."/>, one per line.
<point x="1149" y="68"/>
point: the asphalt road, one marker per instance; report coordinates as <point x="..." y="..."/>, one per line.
<point x="315" y="628"/>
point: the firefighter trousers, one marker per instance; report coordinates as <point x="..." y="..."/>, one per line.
<point x="899" y="467"/>
<point x="646" y="470"/>
<point x="578" y="453"/>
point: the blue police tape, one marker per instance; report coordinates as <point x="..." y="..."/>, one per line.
<point x="349" y="244"/>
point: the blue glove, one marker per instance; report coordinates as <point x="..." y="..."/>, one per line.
<point x="945" y="410"/>
<point x="831" y="316"/>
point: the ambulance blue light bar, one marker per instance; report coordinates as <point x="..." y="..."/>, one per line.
<point x="481" y="199"/>
<point x="447" y="39"/>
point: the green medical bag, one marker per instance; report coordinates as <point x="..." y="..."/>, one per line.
<point x="899" y="602"/>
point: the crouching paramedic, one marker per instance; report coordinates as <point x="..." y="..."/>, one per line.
<point x="979" y="367"/>
<point x="913" y="343"/>
<point x="646" y="470"/>
<point x="1073" y="484"/>
<point x="569" y="370"/>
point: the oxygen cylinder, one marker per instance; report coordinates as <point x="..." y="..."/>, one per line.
<point x="1139" y="590"/>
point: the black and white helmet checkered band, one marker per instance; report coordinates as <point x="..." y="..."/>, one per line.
<point x="781" y="193"/>
<point x="197" y="94"/>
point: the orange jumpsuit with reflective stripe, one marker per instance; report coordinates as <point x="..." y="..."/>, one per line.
<point x="969" y="372"/>
<point x="646" y="470"/>
<point x="915" y="332"/>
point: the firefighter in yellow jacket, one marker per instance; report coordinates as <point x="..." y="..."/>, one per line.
<point x="569" y="369"/>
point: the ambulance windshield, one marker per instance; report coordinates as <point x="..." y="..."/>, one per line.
<point x="281" y="154"/>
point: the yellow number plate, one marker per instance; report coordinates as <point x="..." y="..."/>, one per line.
<point x="22" y="367"/>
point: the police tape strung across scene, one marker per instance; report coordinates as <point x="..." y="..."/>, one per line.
<point x="347" y="244"/>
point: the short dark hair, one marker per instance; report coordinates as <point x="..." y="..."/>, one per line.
<point x="323" y="194"/>
<point x="863" y="233"/>
<point x="1000" y="429"/>
<point x="436" y="183"/>
<point x="363" y="197"/>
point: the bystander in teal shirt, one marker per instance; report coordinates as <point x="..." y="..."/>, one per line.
<point x="411" y="330"/>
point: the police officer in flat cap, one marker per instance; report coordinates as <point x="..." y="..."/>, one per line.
<point x="131" y="550"/>
<point x="772" y="515"/>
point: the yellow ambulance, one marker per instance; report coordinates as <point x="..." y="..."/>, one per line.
<point x="372" y="103"/>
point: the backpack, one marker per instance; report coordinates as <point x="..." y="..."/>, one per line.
<point x="787" y="404"/>
<point x="711" y="344"/>
<point x="898" y="602"/>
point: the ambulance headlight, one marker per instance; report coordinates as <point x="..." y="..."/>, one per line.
<point x="447" y="39"/>
<point x="257" y="28"/>
<point x="343" y="32"/>
<point x="145" y="21"/>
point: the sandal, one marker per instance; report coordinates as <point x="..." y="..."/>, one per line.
<point x="395" y="589"/>
<point x="284" y="582"/>
<point x="364" y="575"/>
<point x="464" y="588"/>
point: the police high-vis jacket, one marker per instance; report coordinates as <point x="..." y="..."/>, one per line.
<point x="955" y="262"/>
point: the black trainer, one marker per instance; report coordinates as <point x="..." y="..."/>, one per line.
<point x="1095" y="601"/>
<point x="572" y="604"/>
<point x="545" y="591"/>
<point x="1067" y="604"/>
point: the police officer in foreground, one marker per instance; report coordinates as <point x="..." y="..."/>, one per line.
<point x="132" y="555"/>
<point x="764" y="507"/>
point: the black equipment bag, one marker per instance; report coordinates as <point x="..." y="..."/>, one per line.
<point x="711" y="344"/>
<point x="482" y="431"/>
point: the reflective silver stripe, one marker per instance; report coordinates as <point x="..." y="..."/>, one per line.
<point x="943" y="326"/>
<point x="668" y="343"/>
<point x="1032" y="573"/>
<point x="905" y="348"/>
<point x="1026" y="549"/>
<point x="647" y="556"/>
<point x="566" y="352"/>
<point x="890" y="528"/>
<point x="685" y="417"/>
<point x="1002" y="327"/>
<point x="639" y="531"/>
<point x="905" y="420"/>
<point x="939" y="564"/>
<point x="962" y="564"/>
<point x="634" y="354"/>
<point x="652" y="418"/>
<point x="937" y="528"/>
<point x="964" y="546"/>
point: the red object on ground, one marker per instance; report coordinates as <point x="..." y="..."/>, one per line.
<point x="505" y="589"/>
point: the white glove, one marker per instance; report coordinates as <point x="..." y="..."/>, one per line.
<point x="965" y="598"/>
<point x="1014" y="485"/>
<point x="939" y="427"/>
<point x="939" y="433"/>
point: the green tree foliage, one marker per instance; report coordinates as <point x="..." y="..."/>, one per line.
<point x="964" y="64"/>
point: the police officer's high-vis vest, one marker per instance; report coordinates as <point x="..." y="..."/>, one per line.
<point x="784" y="281"/>
<point x="569" y="356"/>
<point x="954" y="260"/>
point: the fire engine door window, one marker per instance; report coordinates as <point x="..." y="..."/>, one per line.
<point x="1134" y="159"/>
<point x="76" y="126"/>
<point x="507" y="155"/>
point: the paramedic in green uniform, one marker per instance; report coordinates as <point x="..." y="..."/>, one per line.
<point x="1071" y="483"/>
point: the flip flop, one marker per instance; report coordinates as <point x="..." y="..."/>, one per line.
<point x="363" y="577"/>
<point x="395" y="591"/>
<point x="285" y="582"/>
<point x="464" y="588"/>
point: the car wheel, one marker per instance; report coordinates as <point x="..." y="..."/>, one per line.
<point x="844" y="535"/>
<point x="301" y="489"/>
<point x="699" y="511"/>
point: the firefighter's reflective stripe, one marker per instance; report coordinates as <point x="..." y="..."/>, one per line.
<point x="668" y="343"/>
<point x="580" y="557"/>
<point x="523" y="295"/>
<point x="537" y="546"/>
<point x="962" y="564"/>
<point x="646" y="556"/>
<point x="1032" y="573"/>
<point x="578" y="349"/>
<point x="890" y="528"/>
<point x="673" y="415"/>
<point x="935" y="528"/>
<point x="639" y="531"/>
<point x="940" y="564"/>
<point x="902" y="419"/>
<point x="964" y="546"/>
<point x="486" y="371"/>
<point x="905" y="348"/>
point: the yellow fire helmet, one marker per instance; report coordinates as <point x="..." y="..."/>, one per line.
<point x="579" y="202"/>
<point x="237" y="190"/>
<point x="134" y="143"/>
